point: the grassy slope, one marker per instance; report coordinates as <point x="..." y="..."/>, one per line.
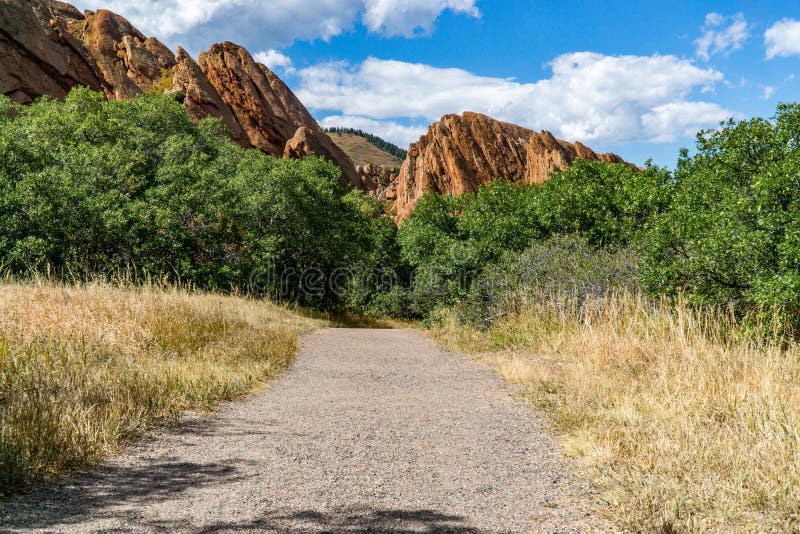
<point x="684" y="423"/>
<point x="362" y="152"/>
<point x="84" y="370"/>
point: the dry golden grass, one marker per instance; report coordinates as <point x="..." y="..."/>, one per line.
<point x="362" y="152"/>
<point x="84" y="370"/>
<point x="685" y="422"/>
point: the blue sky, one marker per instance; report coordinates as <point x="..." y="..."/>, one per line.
<point x="636" y="78"/>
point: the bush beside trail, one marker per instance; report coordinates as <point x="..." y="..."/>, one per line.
<point x="133" y="188"/>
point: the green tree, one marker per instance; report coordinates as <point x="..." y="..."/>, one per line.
<point x="95" y="187"/>
<point x="732" y="232"/>
<point x="606" y="203"/>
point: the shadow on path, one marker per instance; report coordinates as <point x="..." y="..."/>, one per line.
<point x="360" y="519"/>
<point x="120" y="493"/>
<point x="96" y="495"/>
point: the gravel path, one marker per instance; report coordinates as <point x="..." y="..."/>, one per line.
<point x="368" y="431"/>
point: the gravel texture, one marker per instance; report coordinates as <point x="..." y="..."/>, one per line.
<point x="368" y="431"/>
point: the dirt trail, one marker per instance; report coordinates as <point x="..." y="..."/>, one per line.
<point x="368" y="431"/>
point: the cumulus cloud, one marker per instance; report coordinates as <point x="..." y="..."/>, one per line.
<point x="722" y="35"/>
<point x="767" y="91"/>
<point x="411" y="17"/>
<point x="394" y="132"/>
<point x="275" y="60"/>
<point x="589" y="97"/>
<point x="279" y="22"/>
<point x="783" y="39"/>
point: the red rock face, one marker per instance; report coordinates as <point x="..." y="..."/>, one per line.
<point x="201" y="99"/>
<point x="381" y="182"/>
<point x="49" y="47"/>
<point x="268" y="114"/>
<point x="39" y="55"/>
<point x="128" y="61"/>
<point x="461" y="153"/>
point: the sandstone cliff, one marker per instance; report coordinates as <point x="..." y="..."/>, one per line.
<point x="49" y="47"/>
<point x="379" y="181"/>
<point x="39" y="55"/>
<point x="460" y="153"/>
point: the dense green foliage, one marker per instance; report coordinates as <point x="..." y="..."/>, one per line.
<point x="374" y="140"/>
<point x="732" y="232"/>
<point x="89" y="186"/>
<point x="723" y="229"/>
<point x="452" y="241"/>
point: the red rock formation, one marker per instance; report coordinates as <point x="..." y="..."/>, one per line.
<point x="39" y="55"/>
<point x="49" y="47"/>
<point x="269" y="114"/>
<point x="460" y="153"/>
<point x="378" y="181"/>
<point x="200" y="98"/>
<point x="307" y="141"/>
<point x="128" y="61"/>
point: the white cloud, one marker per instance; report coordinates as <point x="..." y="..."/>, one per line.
<point x="275" y="60"/>
<point x="391" y="131"/>
<point x="722" y="35"/>
<point x="669" y="122"/>
<point x="411" y="17"/>
<point x="278" y="22"/>
<point x="767" y="92"/>
<point x="783" y="39"/>
<point x="589" y="97"/>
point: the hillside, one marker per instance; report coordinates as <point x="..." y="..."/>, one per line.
<point x="373" y="139"/>
<point x="363" y="153"/>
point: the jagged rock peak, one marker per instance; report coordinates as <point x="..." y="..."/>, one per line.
<point x="200" y="98"/>
<point x="459" y="153"/>
<point x="129" y="62"/>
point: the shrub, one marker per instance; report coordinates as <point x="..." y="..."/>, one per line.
<point x="451" y="241"/>
<point x="563" y="268"/>
<point x="94" y="187"/>
<point x="732" y="231"/>
<point x="607" y="203"/>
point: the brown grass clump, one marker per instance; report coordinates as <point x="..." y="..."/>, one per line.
<point x="84" y="370"/>
<point x="684" y="420"/>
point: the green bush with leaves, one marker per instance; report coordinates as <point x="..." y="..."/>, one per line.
<point x="451" y="241"/>
<point x="95" y="187"/>
<point x="732" y="232"/>
<point x="608" y="204"/>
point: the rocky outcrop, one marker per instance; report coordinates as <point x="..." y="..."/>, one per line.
<point x="128" y="61"/>
<point x="462" y="152"/>
<point x="49" y="47"/>
<point x="269" y="114"/>
<point x="307" y="141"/>
<point x="200" y="98"/>
<point x="39" y="54"/>
<point x="379" y="181"/>
<point x="244" y="87"/>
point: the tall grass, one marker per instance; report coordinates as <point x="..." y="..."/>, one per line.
<point x="686" y="421"/>
<point x="86" y="369"/>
